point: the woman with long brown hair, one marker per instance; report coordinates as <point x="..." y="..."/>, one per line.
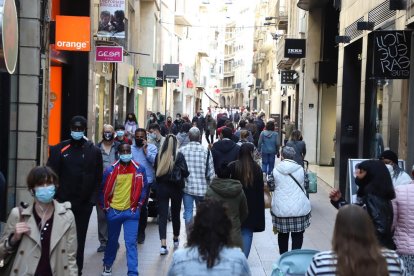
<point x="249" y="173"/>
<point x="355" y="249"/>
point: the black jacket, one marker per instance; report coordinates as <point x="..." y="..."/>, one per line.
<point x="79" y="167"/>
<point x="255" y="199"/>
<point x="181" y="164"/>
<point x="224" y="151"/>
<point x="200" y="122"/>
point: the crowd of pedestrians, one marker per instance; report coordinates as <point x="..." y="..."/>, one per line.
<point x="167" y="162"/>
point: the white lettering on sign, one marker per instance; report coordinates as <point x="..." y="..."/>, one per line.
<point x="72" y="44"/>
<point x="108" y="54"/>
<point x="295" y="51"/>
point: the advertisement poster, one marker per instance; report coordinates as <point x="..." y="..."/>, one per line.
<point x="111" y="18"/>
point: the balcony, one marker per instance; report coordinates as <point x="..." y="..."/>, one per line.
<point x="228" y="89"/>
<point x="268" y="44"/>
<point x="229" y="73"/>
<point x="229" y="56"/>
<point x="182" y="13"/>
<point x="258" y="57"/>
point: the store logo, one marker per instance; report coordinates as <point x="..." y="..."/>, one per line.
<point x="73" y="33"/>
<point x="109" y="54"/>
<point x="295" y="51"/>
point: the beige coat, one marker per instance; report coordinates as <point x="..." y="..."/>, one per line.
<point x="63" y="242"/>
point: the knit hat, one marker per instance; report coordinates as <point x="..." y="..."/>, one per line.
<point x="389" y="154"/>
<point x="78" y="119"/>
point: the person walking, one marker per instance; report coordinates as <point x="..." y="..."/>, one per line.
<point x="151" y="120"/>
<point x="249" y="173"/>
<point x="122" y="195"/>
<point x="209" y="249"/>
<point x="398" y="175"/>
<point x="109" y="151"/>
<point x="259" y="122"/>
<point x="225" y="150"/>
<point x="171" y="170"/>
<point x="144" y="154"/>
<point x="355" y="249"/>
<point x="288" y="129"/>
<point x="131" y="124"/>
<point x="43" y="235"/>
<point x="375" y="192"/>
<point x="210" y="130"/>
<point x="230" y="192"/>
<point x="291" y="209"/>
<point x="154" y="136"/>
<point x="268" y="146"/>
<point x="178" y="122"/>
<point x="200" y="122"/>
<point x="168" y="127"/>
<point x="78" y="164"/>
<point x="120" y="135"/>
<point x="201" y="168"/>
<point x="403" y="225"/>
<point x="242" y="126"/>
<point x="299" y="146"/>
<point x="182" y="136"/>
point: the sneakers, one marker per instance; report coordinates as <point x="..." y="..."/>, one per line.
<point x="141" y="238"/>
<point x="107" y="271"/>
<point x="101" y="248"/>
<point x="176" y="244"/>
<point x="163" y="250"/>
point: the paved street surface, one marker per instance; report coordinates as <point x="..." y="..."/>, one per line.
<point x="262" y="256"/>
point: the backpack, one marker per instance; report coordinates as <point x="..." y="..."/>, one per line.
<point x="294" y="263"/>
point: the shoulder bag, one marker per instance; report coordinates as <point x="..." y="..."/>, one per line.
<point x="294" y="179"/>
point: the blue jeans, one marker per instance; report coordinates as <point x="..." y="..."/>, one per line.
<point x="268" y="162"/>
<point x="116" y="219"/>
<point x="188" y="201"/>
<point x="247" y="237"/>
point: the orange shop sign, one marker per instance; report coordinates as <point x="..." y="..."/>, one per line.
<point x="73" y="33"/>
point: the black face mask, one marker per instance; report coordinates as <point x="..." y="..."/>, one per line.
<point x="139" y="142"/>
<point x="108" y="136"/>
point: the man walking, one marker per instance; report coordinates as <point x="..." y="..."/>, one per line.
<point x="225" y="150"/>
<point x="109" y="150"/>
<point x="201" y="168"/>
<point x="144" y="154"/>
<point x="154" y="136"/>
<point x="78" y="163"/>
<point x="289" y="128"/>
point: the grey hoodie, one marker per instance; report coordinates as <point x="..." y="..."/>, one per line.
<point x="230" y="191"/>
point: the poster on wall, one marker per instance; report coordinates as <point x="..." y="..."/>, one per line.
<point x="111" y="18"/>
<point x="392" y="54"/>
<point x="352" y="187"/>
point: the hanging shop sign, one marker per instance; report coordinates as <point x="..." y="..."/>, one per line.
<point x="9" y="46"/>
<point x="171" y="71"/>
<point x="295" y="48"/>
<point x="146" y="82"/>
<point x="392" y="54"/>
<point x="73" y="33"/>
<point x="109" y="54"/>
<point x="111" y="18"/>
<point x="287" y="77"/>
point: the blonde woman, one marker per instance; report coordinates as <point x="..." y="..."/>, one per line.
<point x="170" y="170"/>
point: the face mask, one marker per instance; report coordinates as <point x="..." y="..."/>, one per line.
<point x="77" y="135"/>
<point x="152" y="136"/>
<point x="390" y="168"/>
<point x="130" y="119"/>
<point x="178" y="118"/>
<point x="120" y="133"/>
<point x="169" y="120"/>
<point x="139" y="142"/>
<point x="108" y="136"/>
<point x="45" y="194"/>
<point x="125" y="157"/>
<point x="151" y="118"/>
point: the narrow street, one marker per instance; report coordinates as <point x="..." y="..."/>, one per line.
<point x="262" y="256"/>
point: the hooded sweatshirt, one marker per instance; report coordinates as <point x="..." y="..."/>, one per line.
<point x="230" y="192"/>
<point x="224" y="151"/>
<point x="268" y="142"/>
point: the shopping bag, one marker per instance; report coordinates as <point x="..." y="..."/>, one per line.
<point x="312" y="179"/>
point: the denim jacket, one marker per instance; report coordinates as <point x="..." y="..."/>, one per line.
<point x="187" y="261"/>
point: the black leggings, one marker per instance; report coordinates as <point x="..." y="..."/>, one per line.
<point x="283" y="240"/>
<point x="208" y="135"/>
<point x="165" y="192"/>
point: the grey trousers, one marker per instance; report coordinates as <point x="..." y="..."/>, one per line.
<point x="102" y="226"/>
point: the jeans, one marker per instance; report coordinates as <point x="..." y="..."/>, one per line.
<point x="165" y="192"/>
<point x="247" y="237"/>
<point x="283" y="240"/>
<point x="268" y="162"/>
<point x="188" y="201"/>
<point x="116" y="219"/>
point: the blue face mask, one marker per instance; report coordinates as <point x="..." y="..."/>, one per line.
<point x="152" y="136"/>
<point x="126" y="157"/>
<point x="120" y="133"/>
<point x="77" y="135"/>
<point x="45" y="194"/>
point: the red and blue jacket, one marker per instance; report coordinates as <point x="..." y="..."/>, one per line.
<point x="139" y="185"/>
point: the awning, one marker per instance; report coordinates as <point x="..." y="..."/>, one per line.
<point x="309" y="5"/>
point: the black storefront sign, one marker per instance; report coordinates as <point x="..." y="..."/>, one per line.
<point x="171" y="71"/>
<point x="295" y="48"/>
<point x="287" y="77"/>
<point x="391" y="54"/>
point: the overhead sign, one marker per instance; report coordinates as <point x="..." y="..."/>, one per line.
<point x="146" y="82"/>
<point x="9" y="35"/>
<point x="287" y="77"/>
<point x="73" y="33"/>
<point x="111" y="18"/>
<point x="109" y="54"/>
<point x="171" y="71"/>
<point x="295" y="48"/>
<point x="392" y="54"/>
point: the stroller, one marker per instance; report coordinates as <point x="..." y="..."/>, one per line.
<point x="294" y="263"/>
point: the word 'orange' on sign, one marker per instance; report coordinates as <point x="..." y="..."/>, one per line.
<point x="73" y="33"/>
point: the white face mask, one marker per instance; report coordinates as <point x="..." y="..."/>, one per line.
<point x="390" y="168"/>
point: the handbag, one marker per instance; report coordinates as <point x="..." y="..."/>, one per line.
<point x="267" y="197"/>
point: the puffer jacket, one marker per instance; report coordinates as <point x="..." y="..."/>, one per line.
<point x="403" y="206"/>
<point x="288" y="199"/>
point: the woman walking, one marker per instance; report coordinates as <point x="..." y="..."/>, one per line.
<point x="171" y="169"/>
<point x="248" y="172"/>
<point x="299" y="146"/>
<point x="291" y="209"/>
<point x="268" y="145"/>
<point x="44" y="233"/>
<point x="131" y="124"/>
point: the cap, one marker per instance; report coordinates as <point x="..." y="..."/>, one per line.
<point x="78" y="119"/>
